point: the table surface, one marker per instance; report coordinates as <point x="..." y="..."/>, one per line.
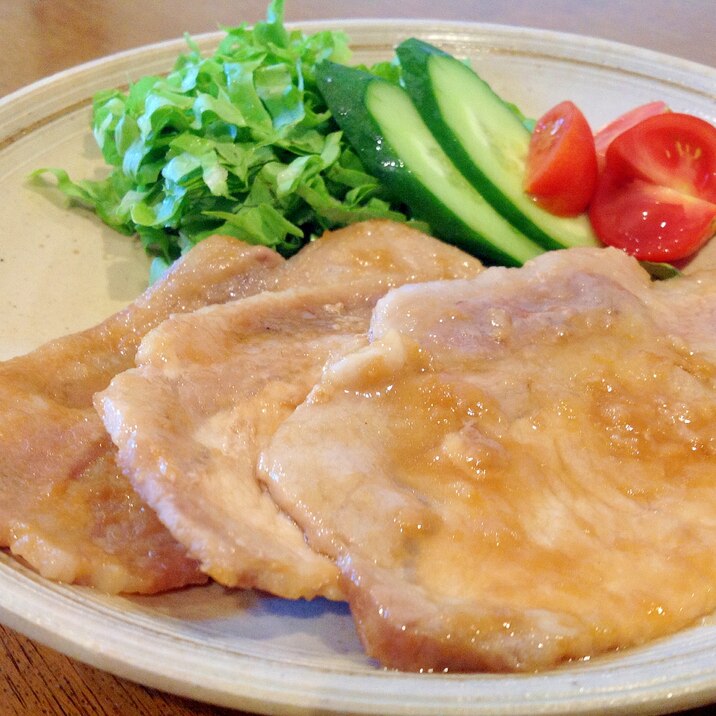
<point x="40" y="37"/>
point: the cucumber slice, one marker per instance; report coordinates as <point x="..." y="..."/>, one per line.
<point x="396" y="146"/>
<point x="485" y="139"/>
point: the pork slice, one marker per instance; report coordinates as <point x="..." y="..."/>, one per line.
<point x="519" y="469"/>
<point x="212" y="386"/>
<point x="65" y="507"/>
<point x="391" y="253"/>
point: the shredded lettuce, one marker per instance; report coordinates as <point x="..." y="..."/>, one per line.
<point x="240" y="143"/>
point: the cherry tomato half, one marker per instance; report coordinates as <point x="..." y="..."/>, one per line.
<point x="561" y="169"/>
<point x="656" y="197"/>
<point x="648" y="221"/>
<point x="607" y="134"/>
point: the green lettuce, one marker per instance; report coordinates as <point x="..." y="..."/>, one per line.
<point x="240" y="142"/>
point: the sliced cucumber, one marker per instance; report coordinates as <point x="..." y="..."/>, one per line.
<point x="485" y="139"/>
<point x="396" y="146"/>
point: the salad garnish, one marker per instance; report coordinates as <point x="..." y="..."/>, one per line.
<point x="273" y="139"/>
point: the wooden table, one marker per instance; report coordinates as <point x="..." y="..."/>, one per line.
<point x="40" y="37"/>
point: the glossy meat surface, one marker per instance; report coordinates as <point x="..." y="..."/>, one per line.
<point x="65" y="506"/>
<point x="520" y="469"/>
<point x="211" y="387"/>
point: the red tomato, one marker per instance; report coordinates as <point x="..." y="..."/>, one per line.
<point x="656" y="198"/>
<point x="650" y="222"/>
<point x="673" y="150"/>
<point x="604" y="136"/>
<point x="561" y="169"/>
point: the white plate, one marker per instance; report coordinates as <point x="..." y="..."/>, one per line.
<point x="62" y="270"/>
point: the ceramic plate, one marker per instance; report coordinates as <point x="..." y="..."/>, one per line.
<point x="61" y="270"/>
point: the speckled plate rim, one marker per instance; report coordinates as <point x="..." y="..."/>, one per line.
<point x="671" y="674"/>
<point x="23" y="109"/>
